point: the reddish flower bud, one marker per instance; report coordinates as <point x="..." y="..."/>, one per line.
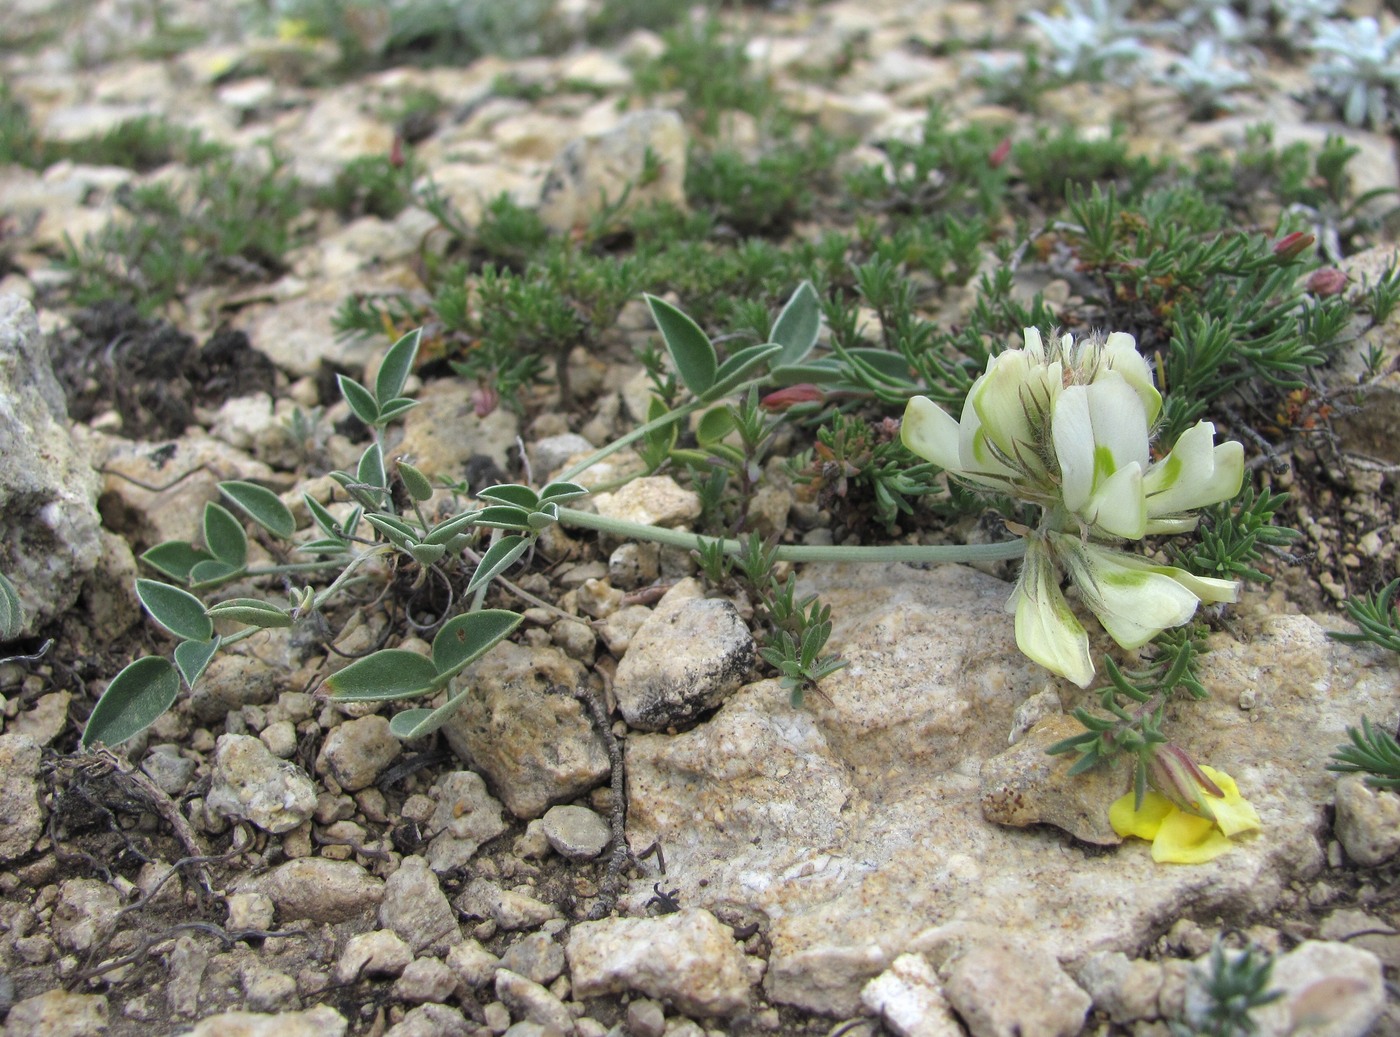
<point x="1178" y="777"/>
<point x="1291" y="246"/>
<point x="485" y="399"/>
<point x="999" y="153"/>
<point x="782" y="399"/>
<point x="396" y="152"/>
<point x="1327" y="281"/>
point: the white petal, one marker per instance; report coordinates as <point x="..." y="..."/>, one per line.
<point x="1120" y="354"/>
<point x="1120" y="420"/>
<point x="1073" y="433"/>
<point x="930" y="431"/>
<point x="1118" y="506"/>
<point x="1195" y="473"/>
<point x="1133" y="603"/>
<point x="1034" y="346"/>
<point x="1046" y="630"/>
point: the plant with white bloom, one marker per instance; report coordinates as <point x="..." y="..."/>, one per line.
<point x="1067" y="427"/>
<point x="1360" y="69"/>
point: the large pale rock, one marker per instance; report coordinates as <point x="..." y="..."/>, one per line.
<point x="50" y="531"/>
<point x="526" y="731"/>
<point x="1329" y="989"/>
<point x="21" y="814"/>
<point x="321" y="1021"/>
<point x="443" y="433"/>
<point x="856" y="825"/>
<point x="1368" y="821"/>
<point x="639" y="162"/>
<point x="1002" y="986"/>
<point x="59" y="1013"/>
<point x="318" y="889"/>
<point x="909" y="999"/>
<point x="251" y="784"/>
<point x="688" y="656"/>
<point x="688" y="958"/>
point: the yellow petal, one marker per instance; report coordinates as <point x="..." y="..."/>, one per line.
<point x="1143" y="822"/>
<point x="1233" y="814"/>
<point x="1187" y="839"/>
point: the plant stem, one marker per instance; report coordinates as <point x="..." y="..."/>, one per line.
<point x="797" y="552"/>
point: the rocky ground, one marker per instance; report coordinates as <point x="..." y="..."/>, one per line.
<point x="263" y="861"/>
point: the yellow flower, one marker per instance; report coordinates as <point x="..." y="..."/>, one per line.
<point x="1179" y="837"/>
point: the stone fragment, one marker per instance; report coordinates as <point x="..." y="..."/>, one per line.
<point x="1001" y="987"/>
<point x="536" y="956"/>
<point x="576" y="832"/>
<point x="687" y="958"/>
<point x="444" y="438"/>
<point x="58" y="1013"/>
<point x="164" y="765"/>
<point x="1329" y="989"/>
<point x="374" y="954"/>
<point x="320" y="1021"/>
<point x="357" y="750"/>
<point x="465" y="816"/>
<point x="50" y="531"/>
<point x="268" y="990"/>
<point x="652" y="500"/>
<point x="1363" y="930"/>
<point x="425" y="979"/>
<point x="187" y="963"/>
<point x="415" y="907"/>
<point x="507" y="908"/>
<point x="641" y="161"/>
<point x="531" y="1002"/>
<point x="1126" y="989"/>
<point x="230" y="683"/>
<point x="45" y="721"/>
<point x="909" y="999"/>
<point x="431" y="1020"/>
<point x="689" y="655"/>
<point x="250" y="784"/>
<point x="21" y="814"/>
<point x="1368" y="821"/>
<point x="472" y="963"/>
<point x="646" y="1018"/>
<point x="525" y="730"/>
<point x="85" y="910"/>
<point x="551" y="453"/>
<point x="1024" y="786"/>
<point x="317" y="889"/>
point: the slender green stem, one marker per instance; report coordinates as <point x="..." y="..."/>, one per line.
<point x="355" y="563"/>
<point x="797" y="552"/>
<point x="291" y="567"/>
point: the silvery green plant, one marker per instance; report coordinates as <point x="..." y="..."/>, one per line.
<point x="1297" y="17"/>
<point x="1204" y="78"/>
<point x="1093" y="40"/>
<point x="1359" y="69"/>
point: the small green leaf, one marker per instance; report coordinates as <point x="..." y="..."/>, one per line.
<point x="415" y="723"/>
<point x="178" y="611"/>
<point x="224" y="536"/>
<point x="11" y="612"/>
<point x="426" y="554"/>
<point x="262" y="506"/>
<point x="502" y="516"/>
<point x="715" y="424"/>
<point x="447" y="529"/>
<point x="322" y="515"/>
<point x="371" y="467"/>
<point x="545" y="515"/>
<point x="395" y="409"/>
<point x="134" y="701"/>
<point x="253" y="611"/>
<point x="734" y="370"/>
<point x="563" y="492"/>
<point x="211" y="573"/>
<point x="510" y="493"/>
<point x="175" y="558"/>
<point x="689" y="346"/>
<point x="396" y="367"/>
<point x="798" y="326"/>
<point x="823" y="371"/>
<point x="192" y="658"/>
<point x="393" y="673"/>
<point x="361" y="400"/>
<point x="399" y="533"/>
<point x="499" y="557"/>
<point x="417" y="484"/>
<point x="468" y="636"/>
<point x="364" y="498"/>
<point x="326" y="545"/>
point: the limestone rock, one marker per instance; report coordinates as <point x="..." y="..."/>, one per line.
<point x="653" y="500"/>
<point x="425" y="979"/>
<point x="415" y="907"/>
<point x="443" y="433"/>
<point x="21" y="814"/>
<point x="321" y="1021"/>
<point x="59" y="1013"/>
<point x="506" y="907"/>
<point x="50" y="531"/>
<point x="524" y="729"/>
<point x="532" y="1003"/>
<point x="688" y="656"/>
<point x="1368" y="821"/>
<point x="909" y="999"/>
<point x="1025" y="786"/>
<point x="431" y="1020"/>
<point x="85" y="911"/>
<point x="1126" y="989"/>
<point x="356" y="751"/>
<point x="466" y="816"/>
<point x="576" y="832"/>
<point x="687" y="958"/>
<point x="251" y="784"/>
<point x="593" y="172"/>
<point x="1002" y="986"/>
<point x="379" y="953"/>
<point x="536" y="956"/>
<point x="318" y="889"/>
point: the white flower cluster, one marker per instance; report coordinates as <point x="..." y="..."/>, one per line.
<point x="1067" y="427"/>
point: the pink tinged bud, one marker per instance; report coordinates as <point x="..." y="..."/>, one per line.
<point x="485" y="400"/>
<point x="396" y="152"/>
<point x="1000" y="153"/>
<point x="782" y="399"/>
<point x="1178" y="777"/>
<point x="1328" y="281"/>
<point x="1291" y="246"/>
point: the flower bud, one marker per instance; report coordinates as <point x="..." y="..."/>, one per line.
<point x="1327" y="281"/>
<point x="1291" y="246"/>
<point x="791" y="396"/>
<point x="1178" y="777"/>
<point x="1000" y="153"/>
